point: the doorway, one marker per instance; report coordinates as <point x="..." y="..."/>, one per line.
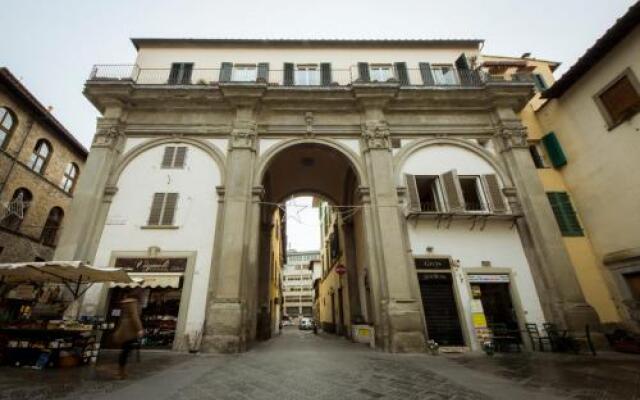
<point x="497" y="305"/>
<point x="440" y="308"/>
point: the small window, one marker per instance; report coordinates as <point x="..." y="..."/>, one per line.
<point x="541" y="84"/>
<point x="444" y="75"/>
<point x="621" y="100"/>
<point x="244" y="73"/>
<point x="7" y="123"/>
<point x="537" y="155"/>
<point x="380" y="72"/>
<point x="472" y="193"/>
<point x="69" y="178"/>
<point x="565" y="214"/>
<point x="40" y="156"/>
<point x="163" y="209"/>
<point x="429" y="193"/>
<point x="307" y="75"/>
<point x="52" y="226"/>
<point x="174" y="157"/>
<point x="180" y="74"/>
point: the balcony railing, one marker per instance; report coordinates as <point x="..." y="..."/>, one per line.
<point x="434" y="77"/>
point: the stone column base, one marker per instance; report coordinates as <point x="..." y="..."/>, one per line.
<point x="406" y="331"/>
<point x="224" y="327"/>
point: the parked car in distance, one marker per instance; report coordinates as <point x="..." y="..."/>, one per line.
<point x="306" y="324"/>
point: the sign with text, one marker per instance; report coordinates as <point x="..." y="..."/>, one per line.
<point x="152" y="264"/>
<point x="433" y="263"/>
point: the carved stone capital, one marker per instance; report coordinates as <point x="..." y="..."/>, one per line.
<point x="109" y="192"/>
<point x="508" y="137"/>
<point x="364" y="194"/>
<point x="107" y="136"/>
<point x="375" y="135"/>
<point x="243" y="135"/>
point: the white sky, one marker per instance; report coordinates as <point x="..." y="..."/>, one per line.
<point x="303" y="224"/>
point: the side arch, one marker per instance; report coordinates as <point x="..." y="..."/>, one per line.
<point x="129" y="156"/>
<point x="265" y="160"/>
<point x="403" y="155"/>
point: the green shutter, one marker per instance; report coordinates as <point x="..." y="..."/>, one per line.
<point x="565" y="214"/>
<point x="554" y="150"/>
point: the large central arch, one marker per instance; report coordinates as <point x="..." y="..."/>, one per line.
<point x="331" y="171"/>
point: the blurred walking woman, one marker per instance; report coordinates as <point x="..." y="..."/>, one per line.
<point x="128" y="332"/>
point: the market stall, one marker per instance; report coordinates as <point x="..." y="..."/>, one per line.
<point x="39" y="313"/>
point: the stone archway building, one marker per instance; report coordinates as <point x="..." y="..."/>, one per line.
<point x="390" y="111"/>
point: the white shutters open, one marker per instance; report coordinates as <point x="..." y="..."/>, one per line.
<point x="174" y="157"/>
<point x="163" y="209"/>
<point x="452" y="191"/>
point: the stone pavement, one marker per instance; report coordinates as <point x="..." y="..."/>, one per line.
<point x="301" y="365"/>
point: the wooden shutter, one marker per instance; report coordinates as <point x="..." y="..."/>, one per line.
<point x="425" y="73"/>
<point x="171" y="200"/>
<point x="263" y="72"/>
<point x="402" y="73"/>
<point x="187" y="70"/>
<point x="554" y="150"/>
<point x="225" y="71"/>
<point x="452" y="191"/>
<point x="565" y="214"/>
<point x="288" y="74"/>
<point x="465" y="74"/>
<point x="181" y="153"/>
<point x="167" y="158"/>
<point x="414" y="196"/>
<point x="462" y="63"/>
<point x="173" y="74"/>
<point x="492" y="189"/>
<point x="325" y="74"/>
<point x="156" y="209"/>
<point x="363" y="72"/>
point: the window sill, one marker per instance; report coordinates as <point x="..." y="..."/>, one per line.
<point x="625" y="119"/>
<point x="159" y="227"/>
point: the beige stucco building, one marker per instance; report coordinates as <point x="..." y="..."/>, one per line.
<point x="40" y="163"/>
<point x="420" y="150"/>
<point x="594" y="112"/>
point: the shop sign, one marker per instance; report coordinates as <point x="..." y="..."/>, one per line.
<point x="489" y="278"/>
<point x="433" y="263"/>
<point x="152" y="264"/>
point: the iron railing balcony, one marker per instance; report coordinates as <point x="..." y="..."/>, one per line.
<point x="434" y="77"/>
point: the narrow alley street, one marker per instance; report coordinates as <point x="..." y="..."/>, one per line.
<point x="301" y="365"/>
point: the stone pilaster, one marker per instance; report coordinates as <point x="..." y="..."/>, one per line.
<point x="555" y="277"/>
<point x="91" y="199"/>
<point x="227" y="309"/>
<point x="400" y="318"/>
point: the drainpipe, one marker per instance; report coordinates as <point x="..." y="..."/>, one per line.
<point x="15" y="159"/>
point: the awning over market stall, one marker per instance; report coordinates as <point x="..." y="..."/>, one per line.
<point x="165" y="280"/>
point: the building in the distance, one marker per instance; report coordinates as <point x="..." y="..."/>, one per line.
<point x="297" y="284"/>
<point x="40" y="163"/>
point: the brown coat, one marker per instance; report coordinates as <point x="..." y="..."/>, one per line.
<point x="130" y="323"/>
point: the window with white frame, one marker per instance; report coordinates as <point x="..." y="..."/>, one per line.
<point x="472" y="193"/>
<point x="40" y="156"/>
<point x="444" y="75"/>
<point x="307" y="75"/>
<point x="380" y="72"/>
<point x="7" y="123"/>
<point x="69" y="177"/>
<point x="244" y="73"/>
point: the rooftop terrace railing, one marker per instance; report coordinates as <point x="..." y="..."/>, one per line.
<point x="432" y="77"/>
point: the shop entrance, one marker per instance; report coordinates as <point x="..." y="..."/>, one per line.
<point x="497" y="305"/>
<point x="440" y="308"/>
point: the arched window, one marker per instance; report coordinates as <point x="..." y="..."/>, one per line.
<point x="69" y="178"/>
<point x="40" y="156"/>
<point x="52" y="226"/>
<point x="16" y="211"/>
<point x="7" y="123"/>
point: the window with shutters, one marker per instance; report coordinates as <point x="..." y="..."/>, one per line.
<point x="472" y="193"/>
<point x="180" y="74"/>
<point x="565" y="214"/>
<point x="537" y="155"/>
<point x="40" y="156"/>
<point x="429" y="193"/>
<point x="163" y="209"/>
<point x="174" y="157"/>
<point x="307" y="75"/>
<point x="620" y="100"/>
<point x="540" y="83"/>
<point x="444" y="75"/>
<point x="244" y="73"/>
<point x="380" y="72"/>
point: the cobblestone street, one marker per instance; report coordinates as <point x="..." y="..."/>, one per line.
<point x="300" y="365"/>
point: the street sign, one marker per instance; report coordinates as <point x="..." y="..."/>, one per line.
<point x="340" y="269"/>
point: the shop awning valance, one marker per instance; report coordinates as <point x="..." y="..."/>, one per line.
<point x="167" y="280"/>
<point x="76" y="272"/>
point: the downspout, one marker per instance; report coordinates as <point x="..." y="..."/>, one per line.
<point x="15" y="159"/>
